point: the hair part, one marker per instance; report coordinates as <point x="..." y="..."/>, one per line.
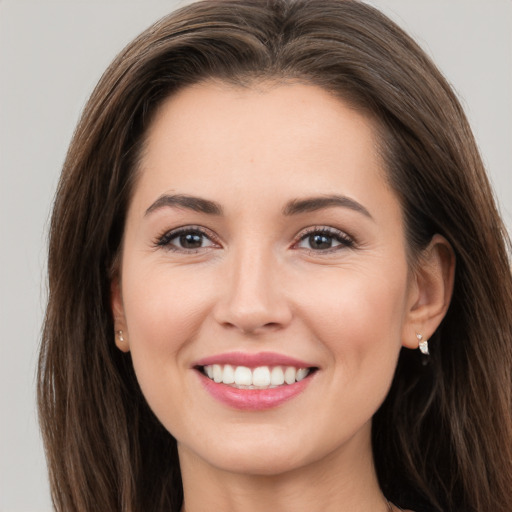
<point x="444" y="433"/>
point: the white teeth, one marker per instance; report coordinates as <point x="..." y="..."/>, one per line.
<point x="228" y="377"/>
<point x="243" y="376"/>
<point x="217" y="373"/>
<point x="277" y="376"/>
<point x="261" y="377"/>
<point x="301" y="374"/>
<point x="289" y="375"/>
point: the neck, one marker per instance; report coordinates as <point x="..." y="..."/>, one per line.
<point x="342" y="481"/>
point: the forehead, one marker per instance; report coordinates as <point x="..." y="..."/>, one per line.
<point x="288" y="139"/>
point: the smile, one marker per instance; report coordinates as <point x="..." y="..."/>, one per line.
<point x="254" y="382"/>
<point x="262" y="377"/>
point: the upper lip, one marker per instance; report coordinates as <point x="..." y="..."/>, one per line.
<point x="253" y="360"/>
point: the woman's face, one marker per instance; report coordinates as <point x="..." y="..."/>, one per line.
<point x="263" y="244"/>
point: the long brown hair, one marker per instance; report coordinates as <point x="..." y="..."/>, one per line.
<point x="444" y="434"/>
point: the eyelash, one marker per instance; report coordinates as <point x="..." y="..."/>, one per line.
<point x="344" y="241"/>
<point x="165" y="240"/>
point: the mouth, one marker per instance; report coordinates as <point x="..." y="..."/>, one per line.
<point x="260" y="377"/>
<point x="254" y="382"/>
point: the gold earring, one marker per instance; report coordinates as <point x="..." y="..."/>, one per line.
<point x="423" y="345"/>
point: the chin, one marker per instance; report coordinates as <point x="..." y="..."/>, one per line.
<point x="261" y="454"/>
<point x="263" y="463"/>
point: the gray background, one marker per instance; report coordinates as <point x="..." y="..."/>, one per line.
<point x="51" y="55"/>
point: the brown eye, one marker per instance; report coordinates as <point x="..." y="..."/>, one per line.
<point x="185" y="240"/>
<point x="324" y="240"/>
<point x="320" y="241"/>
<point x="191" y="240"/>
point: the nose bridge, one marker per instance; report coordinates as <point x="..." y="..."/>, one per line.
<point x="253" y="297"/>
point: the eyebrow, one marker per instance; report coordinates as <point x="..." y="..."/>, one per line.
<point x="196" y="204"/>
<point x="295" y="207"/>
<point x="311" y="204"/>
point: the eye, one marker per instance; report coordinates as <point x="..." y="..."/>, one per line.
<point x="324" y="240"/>
<point x="185" y="240"/>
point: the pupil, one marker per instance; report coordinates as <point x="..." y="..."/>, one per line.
<point x="191" y="240"/>
<point x="320" y="241"/>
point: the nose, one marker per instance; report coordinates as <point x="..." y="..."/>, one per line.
<point x="253" y="299"/>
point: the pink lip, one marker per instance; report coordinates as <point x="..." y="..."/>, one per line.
<point x="253" y="399"/>
<point x="253" y="360"/>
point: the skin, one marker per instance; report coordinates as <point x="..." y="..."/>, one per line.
<point x="256" y="284"/>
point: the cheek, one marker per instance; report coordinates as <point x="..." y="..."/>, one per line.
<point x="163" y="313"/>
<point x="358" y="323"/>
<point x="160" y="302"/>
<point x="357" y="314"/>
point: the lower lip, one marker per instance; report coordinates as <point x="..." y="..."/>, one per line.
<point x="253" y="399"/>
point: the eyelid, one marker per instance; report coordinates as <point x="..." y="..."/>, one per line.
<point x="346" y="241"/>
<point x="163" y="240"/>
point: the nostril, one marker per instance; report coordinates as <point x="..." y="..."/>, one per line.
<point x="259" y="328"/>
<point x="251" y="326"/>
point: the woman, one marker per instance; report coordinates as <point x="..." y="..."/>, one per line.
<point x="265" y="207"/>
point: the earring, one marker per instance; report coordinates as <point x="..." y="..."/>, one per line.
<point x="120" y="334"/>
<point x="423" y="345"/>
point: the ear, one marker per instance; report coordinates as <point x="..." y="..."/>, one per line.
<point x="120" y="327"/>
<point x="431" y="291"/>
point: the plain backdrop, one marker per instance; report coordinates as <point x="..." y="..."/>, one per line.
<point x="51" y="55"/>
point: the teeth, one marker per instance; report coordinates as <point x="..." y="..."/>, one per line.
<point x="301" y="374"/>
<point x="277" y="376"/>
<point x="228" y="377"/>
<point x="243" y="376"/>
<point x="262" y="377"/>
<point x="289" y="375"/>
<point x="217" y="373"/>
